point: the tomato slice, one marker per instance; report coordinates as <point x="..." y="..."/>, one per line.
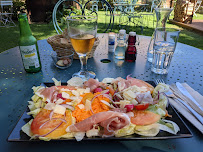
<point x="142" y="106"/>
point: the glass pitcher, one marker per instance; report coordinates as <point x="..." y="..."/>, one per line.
<point x="162" y="14"/>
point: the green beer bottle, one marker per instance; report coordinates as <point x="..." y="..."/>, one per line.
<point x="28" y="46"/>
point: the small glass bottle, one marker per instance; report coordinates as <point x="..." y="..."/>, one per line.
<point x="121" y="46"/>
<point x="28" y="46"/>
<point x="131" y="51"/>
<point x="111" y="42"/>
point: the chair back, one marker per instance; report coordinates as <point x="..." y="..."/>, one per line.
<point x="64" y="8"/>
<point x="120" y="1"/>
<point x="155" y="4"/>
<point x="6" y="5"/>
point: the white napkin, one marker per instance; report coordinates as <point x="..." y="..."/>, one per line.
<point x="183" y="110"/>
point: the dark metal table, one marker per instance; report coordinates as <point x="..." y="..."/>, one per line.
<point x="16" y="84"/>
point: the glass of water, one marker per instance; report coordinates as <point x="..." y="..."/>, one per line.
<point x="165" y="40"/>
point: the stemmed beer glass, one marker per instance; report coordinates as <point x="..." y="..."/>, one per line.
<point x="82" y="31"/>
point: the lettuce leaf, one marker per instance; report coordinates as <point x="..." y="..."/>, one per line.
<point x="161" y="87"/>
<point x="26" y="128"/>
<point x="169" y="126"/>
<point x="127" y="130"/>
<point x="148" y="130"/>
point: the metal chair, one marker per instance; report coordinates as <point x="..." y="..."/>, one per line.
<point x="6" y="14"/>
<point x="146" y="13"/>
<point x="197" y="6"/>
<point x="82" y="9"/>
<point x="94" y="5"/>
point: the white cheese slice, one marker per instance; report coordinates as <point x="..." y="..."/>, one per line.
<point x="74" y="92"/>
<point x="123" y="103"/>
<point x="87" y="90"/>
<point x="49" y="106"/>
<point x="130" y="94"/>
<point x="87" y="105"/>
<point x="59" y="109"/>
<point x="77" y="100"/>
<point x="134" y="102"/>
<point x="63" y="89"/>
<point x="59" y="101"/>
<point x="81" y="106"/>
<point x="65" y="95"/>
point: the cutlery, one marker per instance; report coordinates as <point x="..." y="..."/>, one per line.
<point x="170" y="94"/>
<point x="187" y="94"/>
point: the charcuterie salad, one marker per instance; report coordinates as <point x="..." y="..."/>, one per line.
<point x="113" y="107"/>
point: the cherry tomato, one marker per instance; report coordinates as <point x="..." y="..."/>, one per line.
<point x="142" y="106"/>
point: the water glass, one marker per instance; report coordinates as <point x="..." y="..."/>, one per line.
<point x="165" y="40"/>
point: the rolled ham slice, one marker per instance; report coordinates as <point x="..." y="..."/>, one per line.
<point x="110" y="120"/>
<point x="123" y="83"/>
<point x="51" y="93"/>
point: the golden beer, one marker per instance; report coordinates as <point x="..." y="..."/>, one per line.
<point x="82" y="43"/>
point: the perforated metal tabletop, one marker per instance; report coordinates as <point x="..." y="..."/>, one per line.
<point x="16" y="84"/>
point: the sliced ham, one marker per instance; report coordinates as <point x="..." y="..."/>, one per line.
<point x="51" y="93"/>
<point x="92" y="84"/>
<point x="123" y="84"/>
<point x="141" y="83"/>
<point x="110" y="120"/>
<point x="123" y="110"/>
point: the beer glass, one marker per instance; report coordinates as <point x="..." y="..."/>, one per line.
<point x="82" y="31"/>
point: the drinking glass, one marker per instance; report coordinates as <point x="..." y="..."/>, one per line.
<point x="162" y="15"/>
<point x="165" y="40"/>
<point x="82" y="31"/>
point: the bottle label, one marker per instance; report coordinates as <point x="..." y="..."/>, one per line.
<point x="29" y="56"/>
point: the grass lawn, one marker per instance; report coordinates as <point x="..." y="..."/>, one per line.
<point x="9" y="36"/>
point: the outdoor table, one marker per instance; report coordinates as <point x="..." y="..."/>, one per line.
<point x="16" y="84"/>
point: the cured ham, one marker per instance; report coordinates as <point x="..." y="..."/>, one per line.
<point x="92" y="84"/>
<point x="123" y="84"/>
<point x="110" y="120"/>
<point x="51" y="93"/>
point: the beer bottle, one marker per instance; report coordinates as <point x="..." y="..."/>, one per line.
<point x="28" y="46"/>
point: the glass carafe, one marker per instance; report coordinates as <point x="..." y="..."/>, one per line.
<point x="162" y="15"/>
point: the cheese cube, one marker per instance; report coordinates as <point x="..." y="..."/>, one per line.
<point x="75" y="93"/>
<point x="59" y="101"/>
<point x="87" y="90"/>
<point x="65" y="95"/>
<point x="130" y="94"/>
<point x="87" y="105"/>
<point x="81" y="106"/>
<point x="49" y="106"/>
<point x="59" y="109"/>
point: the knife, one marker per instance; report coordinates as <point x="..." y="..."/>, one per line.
<point x="197" y="115"/>
<point x="187" y="94"/>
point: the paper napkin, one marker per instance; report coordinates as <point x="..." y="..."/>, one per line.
<point x="183" y="110"/>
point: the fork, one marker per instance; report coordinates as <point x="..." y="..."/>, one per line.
<point x="170" y="94"/>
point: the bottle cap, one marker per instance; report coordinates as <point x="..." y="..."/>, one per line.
<point x="122" y="31"/>
<point x="132" y="34"/>
<point x="112" y="36"/>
